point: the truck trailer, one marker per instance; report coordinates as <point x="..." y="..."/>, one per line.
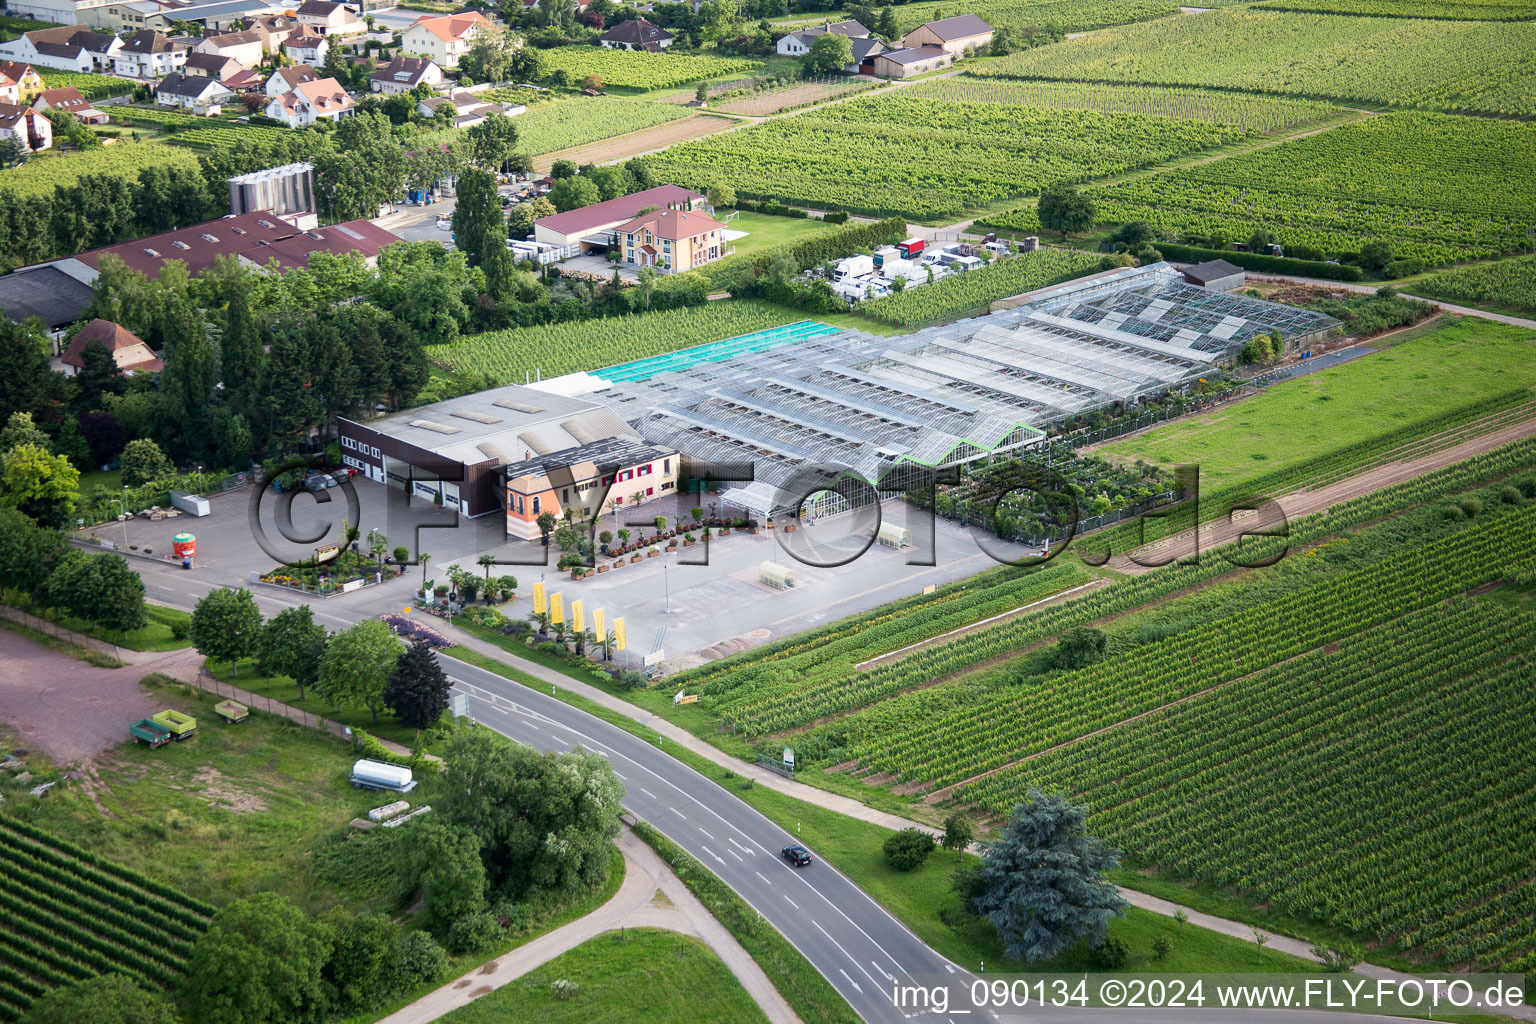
<point x="378" y="775"/>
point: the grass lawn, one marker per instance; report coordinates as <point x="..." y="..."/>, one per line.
<point x="1371" y="397"/>
<point x="765" y="231"/>
<point x="155" y="635"/>
<point x="637" y="976"/>
<point x="111" y="479"/>
<point x="284" y="689"/>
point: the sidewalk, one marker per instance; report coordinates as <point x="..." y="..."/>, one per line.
<point x="651" y="896"/>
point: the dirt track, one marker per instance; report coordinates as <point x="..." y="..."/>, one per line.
<point x="647" y="140"/>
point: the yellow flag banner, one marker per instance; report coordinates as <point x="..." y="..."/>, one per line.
<point x="556" y="608"/>
<point x="578" y="616"/>
<point x="539" y="603"/>
<point x="618" y="633"/>
<point x="597" y="624"/>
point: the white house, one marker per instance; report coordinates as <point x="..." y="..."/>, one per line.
<point x="797" y="44"/>
<point x="68" y="99"/>
<point x="67" y="48"/>
<point x="469" y="109"/>
<point x="287" y="79"/>
<point x="148" y="54"/>
<point x="246" y="47"/>
<point x="444" y="38"/>
<point x="197" y="94"/>
<point x="404" y="74"/>
<point x="10" y="89"/>
<point x="329" y="18"/>
<point x="307" y="47"/>
<point x="212" y="65"/>
<point x="308" y="102"/>
<point x="636" y="34"/>
<point x="27" y="126"/>
<point x="24" y="81"/>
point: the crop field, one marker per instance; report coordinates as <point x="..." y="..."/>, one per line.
<point x="41" y="175"/>
<point x="646" y="140"/>
<point x="1507" y="284"/>
<point x="1477" y="67"/>
<point x="578" y="121"/>
<point x="1288" y="783"/>
<point x="1435" y="187"/>
<point x="555" y="349"/>
<point x="70" y="915"/>
<point x="761" y="102"/>
<point x="1070" y="15"/>
<point x="1371" y="398"/>
<point x="974" y="290"/>
<point x="930" y="157"/>
<point x="1453" y="10"/>
<point x="638" y="69"/>
<point x="91" y="86"/>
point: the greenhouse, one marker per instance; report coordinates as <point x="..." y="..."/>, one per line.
<point x="830" y="416"/>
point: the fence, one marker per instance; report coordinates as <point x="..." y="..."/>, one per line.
<point x="257" y="702"/>
<point x="50" y="628"/>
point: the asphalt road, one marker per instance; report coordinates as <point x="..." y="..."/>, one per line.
<point x="853" y="941"/>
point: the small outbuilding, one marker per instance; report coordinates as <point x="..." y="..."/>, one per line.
<point x="911" y="62"/>
<point x="780" y="577"/>
<point x="894" y="536"/>
<point x="1216" y="276"/>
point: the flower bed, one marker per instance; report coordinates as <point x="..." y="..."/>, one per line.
<point x="413" y="630"/>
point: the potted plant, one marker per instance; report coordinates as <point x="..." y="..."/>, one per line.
<point x="688" y="540"/>
<point x="652" y="551"/>
<point x="623" y="541"/>
<point x="605" y="537"/>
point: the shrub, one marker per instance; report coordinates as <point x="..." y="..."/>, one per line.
<point x="1471" y="506"/>
<point x="1452" y="513"/>
<point x="1161" y="947"/>
<point x="1510" y="495"/>
<point x="632" y="679"/>
<point x="1338" y="961"/>
<point x="564" y="989"/>
<point x="473" y="933"/>
<point x="908" y="849"/>
<point x="421" y="960"/>
<point x="1109" y="955"/>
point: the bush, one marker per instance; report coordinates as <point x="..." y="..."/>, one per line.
<point x="1161" y="947"/>
<point x="1471" y="506"/>
<point x="1110" y="955"/>
<point x="908" y="849"/>
<point x="1510" y="495"/>
<point x="421" y="960"/>
<point x="473" y="933"/>
<point x="1452" y="513"/>
<point x="1338" y="961"/>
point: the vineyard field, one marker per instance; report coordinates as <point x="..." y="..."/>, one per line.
<point x="762" y="102"/>
<point x="1435" y="187"/>
<point x="92" y="87"/>
<point x="578" y="121"/>
<point x="1468" y="66"/>
<point x="638" y="69"/>
<point x="1450" y="10"/>
<point x="1028" y="14"/>
<point x="41" y="175"/>
<point x="555" y="349"/>
<point x="1507" y="284"/>
<point x="974" y="290"/>
<point x="71" y="915"/>
<point x="930" y="157"/>
<point x="1289" y="785"/>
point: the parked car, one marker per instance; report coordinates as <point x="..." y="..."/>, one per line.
<point x="799" y="856"/>
<point x="320" y="482"/>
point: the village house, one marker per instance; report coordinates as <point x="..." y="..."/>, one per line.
<point x="307" y="47"/>
<point x="274" y="30"/>
<point x="636" y="34"/>
<point x="69" y="100"/>
<point x="27" y="126"/>
<point x="67" y="48"/>
<point x="211" y="65"/>
<point x="287" y="79"/>
<point x="245" y="47"/>
<point x="308" y="102"/>
<point x="26" y="80"/>
<point x="404" y="74"/>
<point x="148" y="54"/>
<point x="797" y="44"/>
<point x="672" y="240"/>
<point x="129" y="351"/>
<point x="199" y="95"/>
<point x="444" y="38"/>
<point x="620" y="469"/>
<point x="330" y="19"/>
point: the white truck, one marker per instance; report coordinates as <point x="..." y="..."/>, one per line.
<point x="853" y="266"/>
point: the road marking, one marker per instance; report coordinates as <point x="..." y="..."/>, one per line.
<point x="706" y="832"/>
<point x="793" y="903"/>
<point x="759" y="874"/>
<point x="733" y="853"/>
<point x="738" y="846"/>
<point x="882" y="970"/>
<point x="855" y="984"/>
<point x="621" y="775"/>
<point x="713" y="854"/>
<point x="648" y="793"/>
<point x="849" y="955"/>
<point x="679" y="813"/>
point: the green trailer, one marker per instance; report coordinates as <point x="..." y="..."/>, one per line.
<point x="147" y="730"/>
<point x="231" y="711"/>
<point x="178" y="723"/>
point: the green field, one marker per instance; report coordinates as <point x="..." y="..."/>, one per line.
<point x="1434" y="187"/>
<point x="638" y="69"/>
<point x="556" y="349"/>
<point x="1454" y="66"/>
<point x="42" y="174"/>
<point x="583" y="119"/>
<point x="1454" y="10"/>
<point x="637" y="976"/>
<point x="1505" y="285"/>
<point x="1368" y="397"/>
<point x="1071" y="15"/>
<point x="90" y="86"/>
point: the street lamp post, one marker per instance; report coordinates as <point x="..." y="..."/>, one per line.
<point x="122" y="506"/>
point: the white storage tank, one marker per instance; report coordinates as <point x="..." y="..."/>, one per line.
<point x="378" y="775"/>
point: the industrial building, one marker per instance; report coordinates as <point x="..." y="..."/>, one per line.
<point x="286" y="190"/>
<point x="808" y="405"/>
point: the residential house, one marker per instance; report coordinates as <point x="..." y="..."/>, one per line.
<point x="331" y="19"/>
<point x="211" y="65"/>
<point x="404" y="74"/>
<point x="67" y="48"/>
<point x="27" y="126"/>
<point x="595" y="225"/>
<point x="798" y="44"/>
<point x="308" y="102"/>
<point x="911" y="62"/>
<point x="247" y="80"/>
<point x="287" y="79"/>
<point x="28" y="82"/>
<point x="307" y="47"/>
<point x="636" y="34"/>
<point x="469" y="109"/>
<point x="197" y="94"/>
<point x="672" y="240"/>
<point x="274" y="30"/>
<point x="246" y="46"/>
<point x="619" y="469"/>
<point x="952" y="35"/>
<point x="129" y="351"/>
<point x="445" y="38"/>
<point x="10" y="89"/>
<point x="69" y="100"/>
<point x="148" y="54"/>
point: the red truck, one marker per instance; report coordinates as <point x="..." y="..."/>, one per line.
<point x="910" y="248"/>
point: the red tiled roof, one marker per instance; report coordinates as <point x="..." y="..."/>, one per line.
<point x="673" y="225"/>
<point x="574" y="222"/>
<point x="449" y="27"/>
<point x="128" y="349"/>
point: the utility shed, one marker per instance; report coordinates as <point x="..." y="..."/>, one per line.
<point x="893" y="536"/>
<point x="1216" y="276"/>
<point x="780" y="577"/>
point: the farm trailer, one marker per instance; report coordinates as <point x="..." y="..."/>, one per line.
<point x="179" y="724"/>
<point x="147" y="730"/>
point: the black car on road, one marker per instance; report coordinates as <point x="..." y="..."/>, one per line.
<point x="799" y="856"/>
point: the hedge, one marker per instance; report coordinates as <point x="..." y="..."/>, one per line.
<point x="1257" y="261"/>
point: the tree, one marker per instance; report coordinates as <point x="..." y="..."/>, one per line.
<point x="957" y="832"/>
<point x="240" y="352"/>
<point x="1062" y="209"/>
<point x="477" y="223"/>
<point x="356" y="665"/>
<point x="1041" y="884"/>
<point x="286" y="641"/>
<point x="98" y="376"/>
<point x="493" y="141"/>
<point x="104" y="435"/>
<point x="144" y="462"/>
<point x="490" y="56"/>
<point x="262" y="961"/>
<point x="545" y="821"/>
<point x="28" y="552"/>
<point x="520" y="221"/>
<point x="573" y="193"/>
<point x="19" y="430"/>
<point x="365" y="964"/>
<point x="546" y="523"/>
<point x="611" y="181"/>
<point x="1375" y="255"/>
<point x="1080" y="648"/>
<point x="101" y="589"/>
<point x="12" y="151"/>
<point x="39" y="484"/>
<point x="191" y="373"/>
<point x="29" y="383"/>
<point x="641" y="172"/>
<point x="443" y="862"/>
<point x="1133" y="233"/>
<point x="722" y="197"/>
<point x="226" y="625"/>
<point x="907" y="849"/>
<point x="830" y="52"/>
<point x="562" y="169"/>
<point x="418" y="690"/>
<point x="104" y="999"/>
